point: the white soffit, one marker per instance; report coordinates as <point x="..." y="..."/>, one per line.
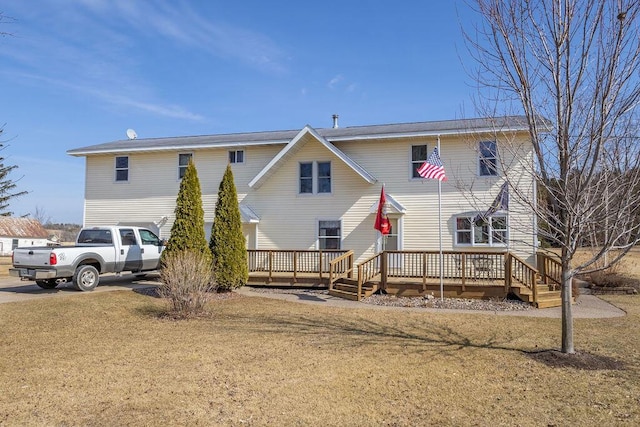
<point x="393" y="204"/>
<point x="248" y="215"/>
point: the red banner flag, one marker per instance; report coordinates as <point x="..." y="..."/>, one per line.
<point x="382" y="223"/>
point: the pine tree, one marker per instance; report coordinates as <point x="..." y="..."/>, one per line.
<point x="227" y="242"/>
<point x="7" y="185"/>
<point x="187" y="232"/>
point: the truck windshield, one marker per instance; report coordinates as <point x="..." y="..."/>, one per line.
<point x="95" y="236"/>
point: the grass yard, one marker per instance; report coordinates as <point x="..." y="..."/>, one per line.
<point x="110" y="359"/>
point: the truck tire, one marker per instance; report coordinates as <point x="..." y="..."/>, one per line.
<point x="47" y="284"/>
<point x="86" y="278"/>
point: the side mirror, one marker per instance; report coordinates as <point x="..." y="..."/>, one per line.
<point x="162" y="242"/>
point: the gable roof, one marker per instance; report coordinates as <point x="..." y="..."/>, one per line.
<point x="353" y="133"/>
<point x="395" y="205"/>
<point x="22" y="227"/>
<point x="294" y="145"/>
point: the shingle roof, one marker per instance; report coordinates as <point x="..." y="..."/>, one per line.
<point x="460" y="126"/>
<point x="22" y="227"/>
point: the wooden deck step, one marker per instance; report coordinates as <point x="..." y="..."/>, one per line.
<point x="353" y="296"/>
<point x="348" y="289"/>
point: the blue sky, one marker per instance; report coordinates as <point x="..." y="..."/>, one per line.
<point x="81" y="72"/>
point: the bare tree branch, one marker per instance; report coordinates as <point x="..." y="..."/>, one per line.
<point x="574" y="64"/>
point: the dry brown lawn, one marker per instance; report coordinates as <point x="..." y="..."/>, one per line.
<point x="110" y="359"/>
<point x="5" y="265"/>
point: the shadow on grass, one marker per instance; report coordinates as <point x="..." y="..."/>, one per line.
<point x="355" y="331"/>
<point x="578" y="360"/>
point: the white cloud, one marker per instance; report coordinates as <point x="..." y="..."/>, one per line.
<point x="334" y="81"/>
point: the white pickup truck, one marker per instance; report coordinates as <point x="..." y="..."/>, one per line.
<point x="97" y="250"/>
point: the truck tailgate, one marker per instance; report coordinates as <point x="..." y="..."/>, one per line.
<point x="31" y="257"/>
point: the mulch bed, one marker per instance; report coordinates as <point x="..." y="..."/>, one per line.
<point x="578" y="360"/>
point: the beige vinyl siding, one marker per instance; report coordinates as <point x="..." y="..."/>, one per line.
<point x="289" y="220"/>
<point x="152" y="188"/>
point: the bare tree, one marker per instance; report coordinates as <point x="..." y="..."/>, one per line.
<point x="572" y="68"/>
<point x="41" y="215"/>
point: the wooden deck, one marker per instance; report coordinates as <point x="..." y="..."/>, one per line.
<point x="481" y="275"/>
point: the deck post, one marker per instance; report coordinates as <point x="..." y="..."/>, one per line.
<point x="295" y="266"/>
<point x="383" y="269"/>
<point x="270" y="279"/>
<point x="534" y="287"/>
<point x="507" y="272"/>
<point x="463" y="263"/>
<point x="320" y="266"/>
<point x="424" y="272"/>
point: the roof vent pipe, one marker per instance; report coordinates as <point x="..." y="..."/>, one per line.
<point x="335" y="121"/>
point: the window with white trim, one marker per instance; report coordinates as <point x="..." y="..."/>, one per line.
<point x="487" y="158"/>
<point x="183" y="162"/>
<point x="491" y="231"/>
<point x="236" y="156"/>
<point x="314" y="178"/>
<point x="122" y="168"/>
<point x="329" y="234"/>
<point x="324" y="177"/>
<point x="418" y="157"/>
<point x="306" y="178"/>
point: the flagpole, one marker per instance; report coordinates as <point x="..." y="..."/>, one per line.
<point x="440" y="232"/>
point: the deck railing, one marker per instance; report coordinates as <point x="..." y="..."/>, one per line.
<point x="486" y="267"/>
<point x="340" y="267"/>
<point x="550" y="270"/>
<point x="296" y="262"/>
<point x="368" y="269"/>
<point x="477" y="268"/>
<point x="522" y="273"/>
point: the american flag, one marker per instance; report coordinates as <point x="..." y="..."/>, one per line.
<point x="433" y="167"/>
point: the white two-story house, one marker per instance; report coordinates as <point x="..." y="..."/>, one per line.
<point x="318" y="188"/>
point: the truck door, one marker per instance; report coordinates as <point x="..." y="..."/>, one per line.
<point x="151" y="249"/>
<point x="130" y="251"/>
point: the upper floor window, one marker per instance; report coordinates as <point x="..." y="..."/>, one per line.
<point x="183" y="162"/>
<point x="481" y="232"/>
<point x="236" y="156"/>
<point x="306" y="178"/>
<point x="418" y="157"/>
<point x="324" y="177"/>
<point x="315" y="172"/>
<point x="487" y="158"/>
<point x="122" y="168"/>
<point x="329" y="234"/>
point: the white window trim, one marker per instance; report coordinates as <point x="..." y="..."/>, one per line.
<point x="399" y="233"/>
<point x="479" y="159"/>
<point x="236" y="156"/>
<point x="180" y="166"/>
<point x="411" y="177"/>
<point x="318" y="231"/>
<point x="116" y="169"/>
<point x="490" y="244"/>
<point x="315" y="178"/>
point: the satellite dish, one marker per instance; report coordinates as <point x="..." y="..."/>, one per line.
<point x="131" y="134"/>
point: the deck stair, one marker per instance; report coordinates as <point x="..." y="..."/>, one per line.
<point x="348" y="289"/>
<point x="548" y="295"/>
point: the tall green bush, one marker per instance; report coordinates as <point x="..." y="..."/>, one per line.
<point x="227" y="242"/>
<point x="187" y="232"/>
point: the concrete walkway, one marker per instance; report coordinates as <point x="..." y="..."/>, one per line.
<point x="586" y="306"/>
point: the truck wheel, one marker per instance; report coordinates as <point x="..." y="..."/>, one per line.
<point x="47" y="284"/>
<point x="86" y="278"/>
